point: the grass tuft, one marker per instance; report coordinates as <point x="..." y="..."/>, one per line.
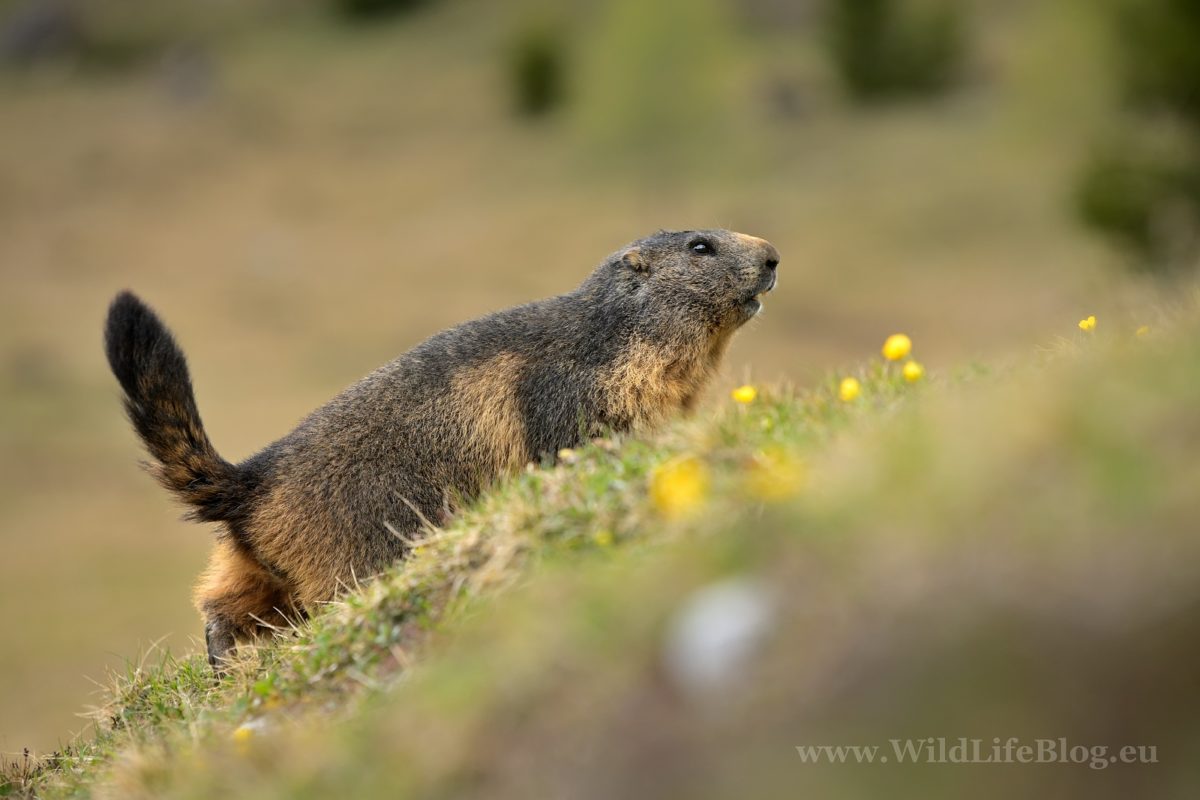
<point x="920" y="525"/>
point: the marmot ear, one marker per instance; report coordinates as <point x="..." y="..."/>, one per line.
<point x="634" y="260"/>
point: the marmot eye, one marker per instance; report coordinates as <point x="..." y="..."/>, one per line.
<point x="702" y="247"/>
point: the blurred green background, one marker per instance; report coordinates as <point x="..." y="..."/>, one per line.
<point x="306" y="189"/>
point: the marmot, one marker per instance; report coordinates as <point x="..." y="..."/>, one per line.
<point x="339" y="498"/>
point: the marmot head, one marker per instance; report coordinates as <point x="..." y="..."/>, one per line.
<point x="714" y="278"/>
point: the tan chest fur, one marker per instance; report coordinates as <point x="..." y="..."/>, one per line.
<point x="648" y="384"/>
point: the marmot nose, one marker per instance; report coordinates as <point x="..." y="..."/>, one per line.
<point x="772" y="257"/>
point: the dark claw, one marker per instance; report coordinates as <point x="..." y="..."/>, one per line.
<point x="219" y="641"/>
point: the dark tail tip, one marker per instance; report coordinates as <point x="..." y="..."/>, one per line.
<point x="159" y="401"/>
<point x="132" y="335"/>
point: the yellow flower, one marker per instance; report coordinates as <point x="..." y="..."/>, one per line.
<point x="603" y="538"/>
<point x="848" y="389"/>
<point x="566" y="455"/>
<point x="679" y="487"/>
<point x="897" y="347"/>
<point x="775" y="475"/>
<point x="744" y="394"/>
<point x="913" y="371"/>
<point x="1088" y="324"/>
<point x="1142" y="332"/>
<point x="241" y="737"/>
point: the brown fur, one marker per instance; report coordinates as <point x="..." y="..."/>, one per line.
<point x="342" y="496"/>
<point x="486" y="396"/>
<point x="648" y="385"/>
<point x="238" y="591"/>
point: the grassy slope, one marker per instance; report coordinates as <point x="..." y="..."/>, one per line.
<point x="304" y="219"/>
<point x="1012" y="555"/>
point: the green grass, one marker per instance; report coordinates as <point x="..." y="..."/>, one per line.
<point x="322" y="176"/>
<point x="995" y="553"/>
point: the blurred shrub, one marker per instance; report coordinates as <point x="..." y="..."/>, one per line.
<point x="537" y="65"/>
<point x="1143" y="196"/>
<point x="36" y="30"/>
<point x="1146" y="202"/>
<point x="888" y="48"/>
<point x="365" y="9"/>
<point x="656" y="81"/>
<point x="99" y="36"/>
<point x="1160" y="49"/>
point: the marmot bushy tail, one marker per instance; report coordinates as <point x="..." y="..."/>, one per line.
<point x="159" y="401"/>
<point x="342" y="496"/>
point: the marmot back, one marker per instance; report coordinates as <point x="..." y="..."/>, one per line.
<point x="340" y="497"/>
